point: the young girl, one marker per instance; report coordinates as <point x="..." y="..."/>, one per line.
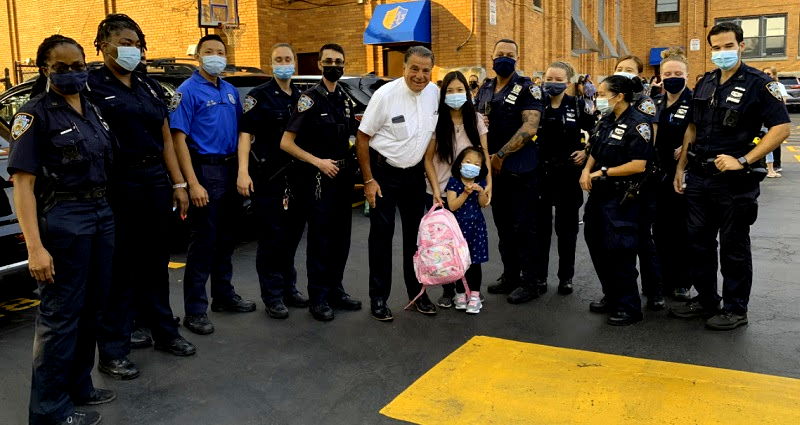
<point x="466" y="195"/>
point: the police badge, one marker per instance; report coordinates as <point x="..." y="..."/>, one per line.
<point x="249" y="103"/>
<point x="775" y="89"/>
<point x="644" y="130"/>
<point x="22" y="122"/>
<point x="647" y="107"/>
<point x="304" y="103"/>
<point x="175" y="101"/>
<point x="536" y="91"/>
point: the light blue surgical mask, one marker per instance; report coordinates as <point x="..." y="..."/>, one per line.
<point x="128" y="57"/>
<point x="603" y="105"/>
<point x="283" y="72"/>
<point x="725" y="59"/>
<point x="470" y="171"/>
<point x="455" y="100"/>
<point x="214" y="64"/>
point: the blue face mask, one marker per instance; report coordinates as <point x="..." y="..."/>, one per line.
<point x="283" y="72"/>
<point x="504" y="66"/>
<point x="128" y="57"/>
<point x="214" y="64"/>
<point x="70" y="82"/>
<point x="603" y="105"/>
<point x="455" y="100"/>
<point x="470" y="171"/>
<point x="725" y="59"/>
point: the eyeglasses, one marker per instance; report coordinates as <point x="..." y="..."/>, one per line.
<point x="62" y="68"/>
<point x="331" y="62"/>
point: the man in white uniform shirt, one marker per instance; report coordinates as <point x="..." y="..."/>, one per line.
<point x="391" y="142"/>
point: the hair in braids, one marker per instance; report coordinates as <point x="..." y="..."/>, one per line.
<point x="116" y="22"/>
<point x="43" y="53"/>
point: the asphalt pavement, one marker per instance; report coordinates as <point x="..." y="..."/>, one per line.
<point x="256" y="370"/>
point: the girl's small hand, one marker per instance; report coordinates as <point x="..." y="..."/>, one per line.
<point x="468" y="188"/>
<point x="477" y="188"/>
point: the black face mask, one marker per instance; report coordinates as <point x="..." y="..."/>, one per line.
<point x="674" y="84"/>
<point x="504" y="66"/>
<point x="473" y="85"/>
<point x="554" y="89"/>
<point x="332" y="73"/>
<point x="69" y="82"/>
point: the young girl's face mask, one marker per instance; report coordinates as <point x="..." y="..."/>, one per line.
<point x="470" y="171"/>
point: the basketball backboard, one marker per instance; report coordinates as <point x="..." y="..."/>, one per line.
<point x="216" y="13"/>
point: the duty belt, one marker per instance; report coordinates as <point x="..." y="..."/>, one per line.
<point x="141" y="162"/>
<point x="81" y="195"/>
<point x="213" y="159"/>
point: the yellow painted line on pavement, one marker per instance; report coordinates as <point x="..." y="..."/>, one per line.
<point x="19" y="304"/>
<point x="797" y="157"/>
<point x="792" y="149"/>
<point x="174" y="265"/>
<point x="496" y="381"/>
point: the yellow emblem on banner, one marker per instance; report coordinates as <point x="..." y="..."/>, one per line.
<point x="394" y="17"/>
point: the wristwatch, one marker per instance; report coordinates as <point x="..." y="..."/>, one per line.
<point x="743" y="161"/>
<point x="604" y="170"/>
<point x="500" y="154"/>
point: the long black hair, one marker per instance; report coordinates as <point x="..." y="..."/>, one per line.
<point x="117" y="22"/>
<point x="455" y="169"/>
<point x="445" y="129"/>
<point x="43" y="53"/>
<point x="621" y="84"/>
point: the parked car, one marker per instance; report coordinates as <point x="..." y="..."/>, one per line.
<point x="793" y="102"/>
<point x="13" y="255"/>
<point x="789" y="81"/>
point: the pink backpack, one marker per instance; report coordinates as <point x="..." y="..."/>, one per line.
<point x="442" y="252"/>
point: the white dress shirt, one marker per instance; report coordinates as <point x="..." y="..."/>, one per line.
<point x="400" y="122"/>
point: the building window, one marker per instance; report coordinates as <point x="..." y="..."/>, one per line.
<point x="537" y="4"/>
<point x="764" y="36"/>
<point x="668" y="11"/>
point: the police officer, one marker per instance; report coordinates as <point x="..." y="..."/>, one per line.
<point x="267" y="109"/>
<point x="674" y="109"/>
<point x="724" y="171"/>
<point x="204" y="123"/>
<point x="632" y="67"/>
<point x="142" y="197"/>
<point x="513" y="106"/>
<point x="562" y="154"/>
<point x="319" y="134"/>
<point x="620" y="150"/>
<point x="61" y="151"/>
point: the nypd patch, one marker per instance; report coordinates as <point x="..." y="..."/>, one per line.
<point x="536" y="91"/>
<point x="647" y="107"/>
<point x="249" y="103"/>
<point x="175" y="101"/>
<point x="22" y="122"/>
<point x="775" y="89"/>
<point x="304" y="103"/>
<point x="231" y="98"/>
<point x="644" y="130"/>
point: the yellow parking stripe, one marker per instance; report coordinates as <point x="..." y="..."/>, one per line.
<point x="797" y="157"/>
<point x="792" y="149"/>
<point x="174" y="265"/>
<point x="495" y="381"/>
<point x="19" y="304"/>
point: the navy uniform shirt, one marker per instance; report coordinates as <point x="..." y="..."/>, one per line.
<point x="136" y="114"/>
<point x="619" y="141"/>
<point x="504" y="110"/>
<point x="267" y="109"/>
<point x="729" y="116"/>
<point x="51" y="140"/>
<point x="324" y="122"/>
<point x="672" y="121"/>
<point x="208" y="114"/>
<point x="560" y="128"/>
<point x="644" y="104"/>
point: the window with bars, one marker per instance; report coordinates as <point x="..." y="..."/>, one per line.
<point x="764" y="36"/>
<point x="668" y="11"/>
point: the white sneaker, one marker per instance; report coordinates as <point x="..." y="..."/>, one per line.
<point x="474" y="305"/>
<point x="460" y="301"/>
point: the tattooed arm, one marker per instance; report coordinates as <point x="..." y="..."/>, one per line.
<point x="524" y="135"/>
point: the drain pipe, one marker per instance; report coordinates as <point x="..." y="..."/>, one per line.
<point x="471" y="30"/>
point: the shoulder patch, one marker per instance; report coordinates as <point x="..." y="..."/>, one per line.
<point x="536" y="91"/>
<point x="22" y="122"/>
<point x="775" y="90"/>
<point x="249" y="103"/>
<point x="647" y="107"/>
<point x="231" y="98"/>
<point x="644" y="130"/>
<point x="175" y="101"/>
<point x="304" y="103"/>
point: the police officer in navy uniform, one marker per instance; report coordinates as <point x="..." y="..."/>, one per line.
<point x="204" y="122"/>
<point x="674" y="109"/>
<point x="562" y="154"/>
<point x="513" y="107"/>
<point x="319" y="134"/>
<point x="620" y="149"/>
<point x="267" y="109"/>
<point x="142" y="198"/>
<point x="61" y="151"/>
<point x="725" y="168"/>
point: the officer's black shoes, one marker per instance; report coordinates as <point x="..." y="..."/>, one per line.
<point x="140" y="338"/>
<point x="541" y="285"/>
<point x="656" y="303"/>
<point x="425" y="306"/>
<point x="296" y="300"/>
<point x="523" y="294"/>
<point x="178" y="346"/>
<point x="565" y="287"/>
<point x="234" y="305"/>
<point x="681" y="294"/>
<point x="278" y="310"/>
<point x="82" y="417"/>
<point x="726" y="321"/>
<point x="623" y="318"/>
<point x="380" y="311"/>
<point x="198" y="324"/>
<point x="691" y="310"/>
<point x="503" y="286"/>
<point x="322" y="312"/>
<point x="123" y="368"/>
<point x="345" y="302"/>
<point x="600" y="306"/>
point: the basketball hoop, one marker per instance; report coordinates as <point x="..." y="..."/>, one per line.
<point x="233" y="33"/>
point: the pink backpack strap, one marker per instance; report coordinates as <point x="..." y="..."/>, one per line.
<point x="415" y="298"/>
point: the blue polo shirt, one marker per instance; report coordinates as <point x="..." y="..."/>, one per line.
<point x="208" y="114"/>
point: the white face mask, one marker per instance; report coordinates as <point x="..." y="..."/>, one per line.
<point x="626" y="74"/>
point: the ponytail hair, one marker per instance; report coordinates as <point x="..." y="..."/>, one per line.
<point x="620" y="84"/>
<point x="674" y="54"/>
<point x="43" y="53"/>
